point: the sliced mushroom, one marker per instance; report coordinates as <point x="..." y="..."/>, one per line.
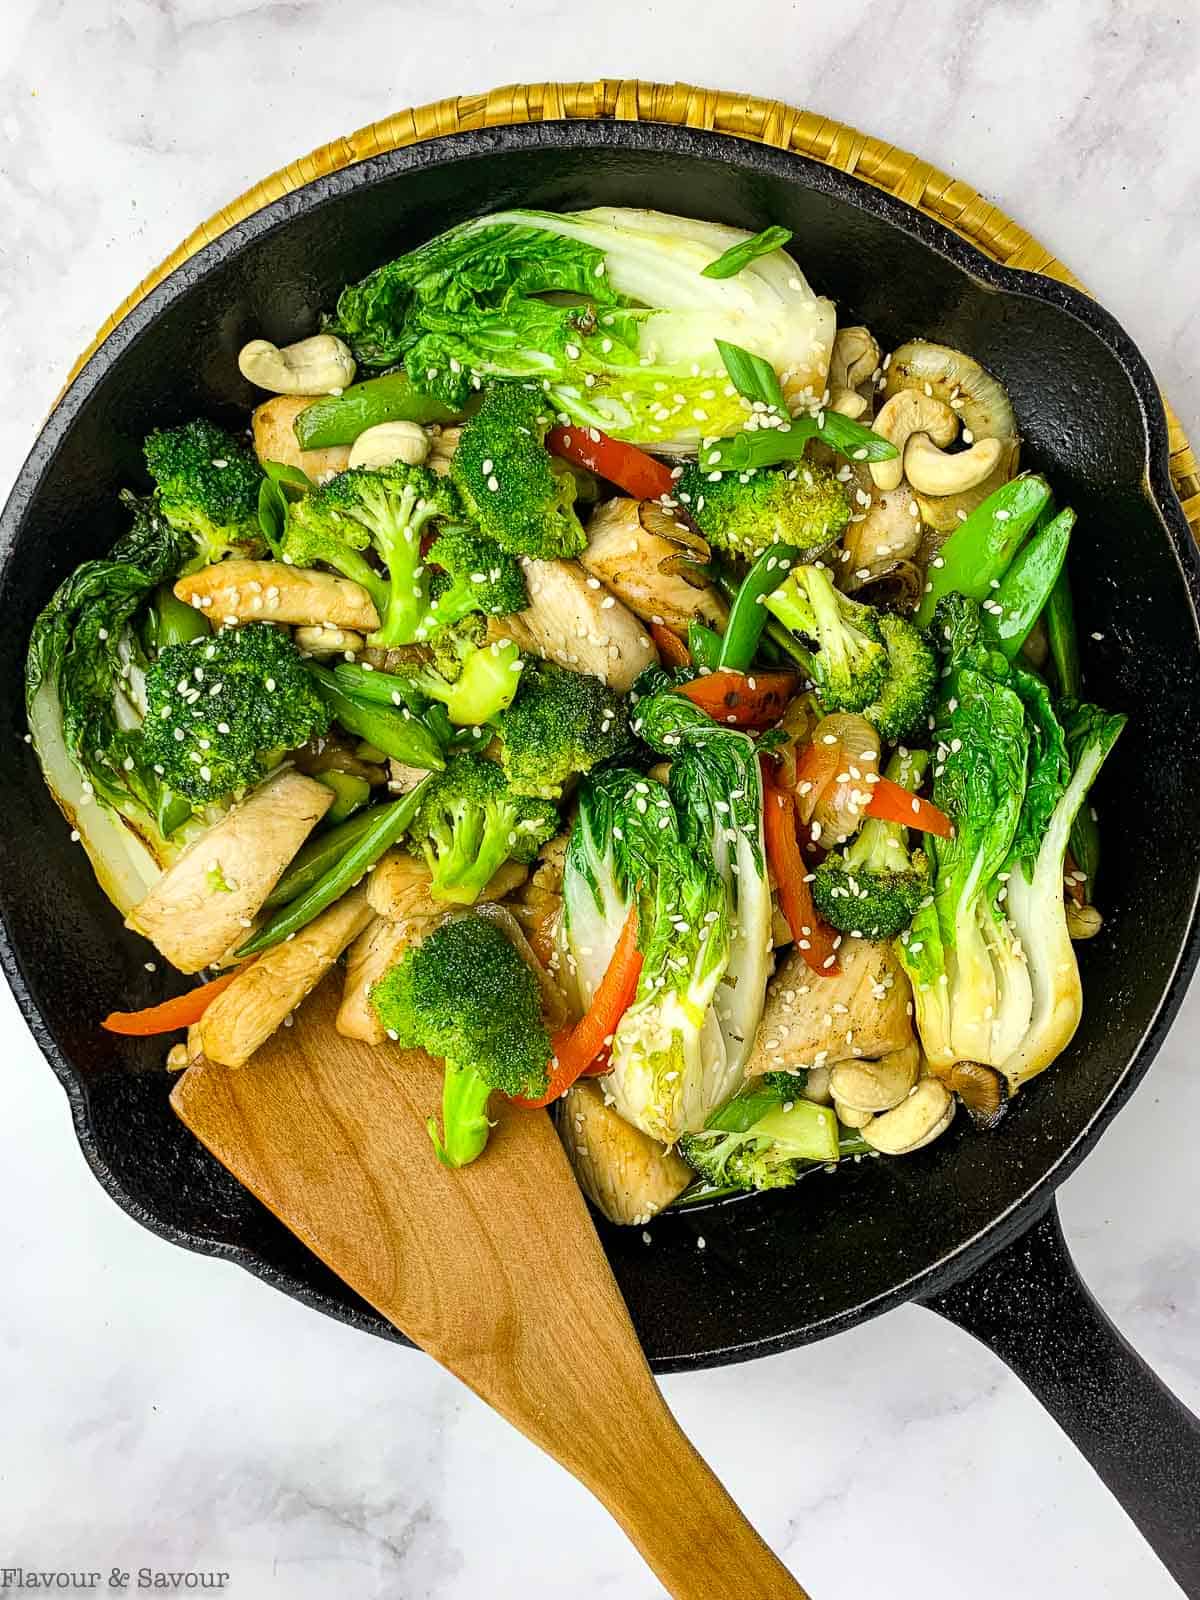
<point x="270" y="591"/>
<point x="624" y="1172"/>
<point x="884" y="530"/>
<point x="321" y="364"/>
<point x="855" y="359"/>
<point x="978" y="398"/>
<point x="578" y="625"/>
<point x="816" y="1086"/>
<point x="649" y="560"/>
<point x="399" y="887"/>
<point x="246" y="1014"/>
<point x="443" y="442"/>
<point x="906" y="413"/>
<point x="275" y="439"/>
<point x="333" y="752"/>
<point x="878" y="1085"/>
<point x="204" y="904"/>
<point x="403" y="778"/>
<point x="982" y="1089"/>
<point x="1083" y="921"/>
<point x="864" y="1010"/>
<point x="378" y="947"/>
<point x="919" y="1119"/>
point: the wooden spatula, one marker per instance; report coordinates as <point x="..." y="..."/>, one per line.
<point x="496" y="1271"/>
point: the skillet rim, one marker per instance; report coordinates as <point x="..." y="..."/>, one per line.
<point x="667" y="140"/>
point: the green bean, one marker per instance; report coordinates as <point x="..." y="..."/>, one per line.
<point x="1029" y="582"/>
<point x="339" y="419"/>
<point x="388" y="823"/>
<point x="748" y="615"/>
<point x="396" y="733"/>
<point x="316" y="858"/>
<point x="981" y="549"/>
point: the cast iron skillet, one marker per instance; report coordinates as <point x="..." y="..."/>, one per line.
<point x="968" y="1226"/>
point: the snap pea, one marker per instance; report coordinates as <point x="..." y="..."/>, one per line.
<point x="982" y="548"/>
<point x="316" y="857"/>
<point x="1063" y="639"/>
<point x="704" y="644"/>
<point x="748" y="615"/>
<point x="778" y="646"/>
<point x="172" y="621"/>
<point x="1029" y="582"/>
<point x="350" y="794"/>
<point x="388" y="823"/>
<point x="395" y="733"/>
<point x="339" y="419"/>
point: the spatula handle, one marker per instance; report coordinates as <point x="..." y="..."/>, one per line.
<point x="683" y="1522"/>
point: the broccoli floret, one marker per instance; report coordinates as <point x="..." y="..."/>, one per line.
<point x="476" y="576"/>
<point x="744" y="513"/>
<point x="485" y="679"/>
<point x="513" y="488"/>
<point x="907" y="695"/>
<point x="387" y="509"/>
<point x="560" y="723"/>
<point x="874" y="887"/>
<point x="764" y="1138"/>
<point x="220" y="711"/>
<point x="465" y="994"/>
<point x="470" y="823"/>
<point x="208" y="483"/>
<point x="849" y="662"/>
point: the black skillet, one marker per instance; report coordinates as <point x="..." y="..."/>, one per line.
<point x="967" y="1227"/>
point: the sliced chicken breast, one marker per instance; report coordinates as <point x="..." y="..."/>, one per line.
<point x="636" y="549"/>
<point x="378" y="947"/>
<point x="810" y="1021"/>
<point x="270" y="591"/>
<point x="398" y="888"/>
<point x="622" y="1170"/>
<point x="573" y="620"/>
<point x="275" y="438"/>
<point x="203" y="905"/>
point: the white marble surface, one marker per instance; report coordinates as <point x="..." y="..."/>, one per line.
<point x="164" y="1409"/>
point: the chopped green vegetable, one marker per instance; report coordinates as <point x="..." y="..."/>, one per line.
<point x="744" y="514"/>
<point x="980" y="550"/>
<point x="476" y="575"/>
<point x="208" y="483"/>
<point x="488" y="678"/>
<point x="906" y="698"/>
<point x="849" y="664"/>
<point x="764" y="1138"/>
<point x="471" y="822"/>
<point x="560" y="724"/>
<point x="753" y="378"/>
<point x="769" y="445"/>
<point x="1026" y="587"/>
<point x="739" y="256"/>
<point x="339" y="419"/>
<point x="315" y="857"/>
<point x="392" y="731"/>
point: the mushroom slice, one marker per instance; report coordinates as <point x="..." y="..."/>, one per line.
<point x="920" y="1118"/>
<point x="399" y="887"/>
<point x="854" y="361"/>
<point x="538" y="907"/>
<point x="648" y="559"/>
<point x="273" y="425"/>
<point x="572" y="620"/>
<point x="270" y="591"/>
<point x="861" y="1011"/>
<point x="982" y="1089"/>
<point x="624" y="1172"/>
<point x="326" y="640"/>
<point x="203" y="905"/>
<point x="378" y="947"/>
<point x="870" y="1086"/>
<point x="884" y="530"/>
<point x="246" y="1014"/>
<point x="908" y="412"/>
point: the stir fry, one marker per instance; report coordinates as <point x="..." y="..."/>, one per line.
<point x="658" y="704"/>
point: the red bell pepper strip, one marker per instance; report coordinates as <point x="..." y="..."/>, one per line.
<point x="625" y="465"/>
<point x="576" y="1049"/>
<point x="891" y="803"/>
<point x="741" y="699"/>
<point x="672" y="651"/>
<point x="171" y="1015"/>
<point x="814" y="938"/>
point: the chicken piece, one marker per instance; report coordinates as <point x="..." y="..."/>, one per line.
<point x="275" y="438"/>
<point x="571" y="619"/>
<point x="623" y="1171"/>
<point x="205" y="902"/>
<point x="270" y="591"/>
<point x="398" y="888"/>
<point x="810" y="1021"/>
<point x="539" y="905"/>
<point x="884" y="530"/>
<point x="378" y="947"/>
<point x="246" y="1014"/>
<point x="637" y="550"/>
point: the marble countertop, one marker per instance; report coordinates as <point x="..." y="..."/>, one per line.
<point x="165" y="1410"/>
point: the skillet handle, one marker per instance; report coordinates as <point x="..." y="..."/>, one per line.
<point x="1029" y="1305"/>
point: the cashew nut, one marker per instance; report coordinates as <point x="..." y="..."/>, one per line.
<point x="1083" y="922"/>
<point x="931" y="471"/>
<point x="855" y="358"/>
<point x="389" y="442"/>
<point x="320" y="365"/>
<point x="943" y="513"/>
<point x="443" y="442"/>
<point x="327" y="639"/>
<point x="849" y="1118"/>
<point x="869" y="1086"/>
<point x="919" y="1118"/>
<point x="903" y="415"/>
<point x="816" y="1087"/>
<point x="847" y="402"/>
